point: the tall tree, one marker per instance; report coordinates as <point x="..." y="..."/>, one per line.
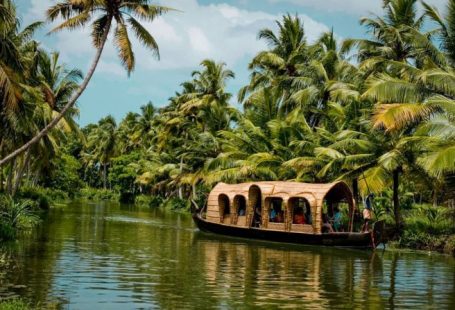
<point x="77" y="13"/>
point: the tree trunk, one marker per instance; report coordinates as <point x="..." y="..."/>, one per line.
<point x="105" y="175"/>
<point x="1" y="179"/>
<point x="9" y="180"/>
<point x="194" y="190"/>
<point x="355" y="190"/>
<point x="396" y="199"/>
<point x="181" y="170"/>
<point x="1" y="169"/>
<point x="20" y="173"/>
<point x="68" y="106"/>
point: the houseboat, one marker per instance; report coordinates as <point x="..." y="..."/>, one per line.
<point x="286" y="212"/>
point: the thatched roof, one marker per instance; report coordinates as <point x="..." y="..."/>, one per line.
<point x="315" y="193"/>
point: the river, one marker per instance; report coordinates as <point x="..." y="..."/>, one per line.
<point x="107" y="256"/>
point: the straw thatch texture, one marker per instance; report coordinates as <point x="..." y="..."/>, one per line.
<point x="265" y="212"/>
<point x="225" y="213"/>
<point x="256" y="194"/>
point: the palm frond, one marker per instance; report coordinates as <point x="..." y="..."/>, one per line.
<point x="124" y="47"/>
<point x="397" y="116"/>
<point x="144" y="36"/>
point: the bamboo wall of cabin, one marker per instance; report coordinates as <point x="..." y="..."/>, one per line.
<point x="313" y="193"/>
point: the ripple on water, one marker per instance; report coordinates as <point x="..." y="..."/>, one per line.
<point x="123" y="258"/>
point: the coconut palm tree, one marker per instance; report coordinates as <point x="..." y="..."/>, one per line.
<point x="446" y="31"/>
<point x="102" y="144"/>
<point x="123" y="13"/>
<point x="206" y="94"/>
<point x="281" y="65"/>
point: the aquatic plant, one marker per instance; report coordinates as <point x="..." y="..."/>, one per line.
<point x="16" y="216"/>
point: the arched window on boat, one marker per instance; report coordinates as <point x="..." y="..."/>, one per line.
<point x="337" y="209"/>
<point x="255" y="205"/>
<point x="275" y="214"/>
<point x="240" y="206"/>
<point x="224" y="207"/>
<point x="276" y="210"/>
<point x="301" y="211"/>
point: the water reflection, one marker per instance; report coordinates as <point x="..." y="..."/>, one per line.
<point x="125" y="257"/>
<point x="265" y="275"/>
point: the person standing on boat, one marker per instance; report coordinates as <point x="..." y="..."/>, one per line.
<point x="367" y="216"/>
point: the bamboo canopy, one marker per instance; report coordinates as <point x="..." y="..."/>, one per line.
<point x="230" y="197"/>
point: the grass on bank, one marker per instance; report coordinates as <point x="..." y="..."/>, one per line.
<point x="21" y="304"/>
<point x="425" y="227"/>
<point x="16" y="216"/>
<point x="14" y="304"/>
<point x="428" y="227"/>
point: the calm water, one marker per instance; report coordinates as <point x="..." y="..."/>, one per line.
<point x="116" y="257"/>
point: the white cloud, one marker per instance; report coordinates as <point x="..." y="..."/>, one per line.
<point x="199" y="42"/>
<point x="348" y="6"/>
<point x="352" y="7"/>
<point x="111" y="68"/>
<point x="219" y="31"/>
<point x="36" y="10"/>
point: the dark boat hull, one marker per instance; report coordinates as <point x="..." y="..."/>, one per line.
<point x="358" y="240"/>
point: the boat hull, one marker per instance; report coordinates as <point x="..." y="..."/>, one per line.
<point x="339" y="239"/>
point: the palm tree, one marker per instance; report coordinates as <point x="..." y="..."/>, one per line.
<point x="77" y="13"/>
<point x="144" y="129"/>
<point x="391" y="34"/>
<point x="446" y="29"/>
<point x="102" y="144"/>
<point x="206" y="93"/>
<point x="279" y="66"/>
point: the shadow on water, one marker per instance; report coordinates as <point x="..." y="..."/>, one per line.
<point x="124" y="257"/>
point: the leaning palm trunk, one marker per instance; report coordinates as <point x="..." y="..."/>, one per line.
<point x="1" y="180"/>
<point x="396" y="199"/>
<point x="105" y="175"/>
<point x="20" y="173"/>
<point x="68" y="106"/>
<point x="9" y="180"/>
<point x="1" y="169"/>
<point x="181" y="186"/>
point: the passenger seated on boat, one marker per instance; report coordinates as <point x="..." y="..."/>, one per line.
<point x="326" y="227"/>
<point x="276" y="211"/>
<point x="272" y="215"/>
<point x="279" y="217"/>
<point x="299" y="218"/>
<point x="337" y="219"/>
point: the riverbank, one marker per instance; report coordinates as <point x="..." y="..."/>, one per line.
<point x="15" y="304"/>
<point x="105" y="254"/>
<point x="425" y="227"/>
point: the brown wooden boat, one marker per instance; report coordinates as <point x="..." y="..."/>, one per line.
<point x="244" y="210"/>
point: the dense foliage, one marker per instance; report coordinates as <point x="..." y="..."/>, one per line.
<point x="377" y="112"/>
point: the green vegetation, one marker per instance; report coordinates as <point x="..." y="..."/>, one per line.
<point x="16" y="216"/>
<point x="378" y="113"/>
<point x="429" y="228"/>
<point x="14" y="304"/>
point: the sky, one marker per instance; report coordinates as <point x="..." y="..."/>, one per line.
<point x="222" y="30"/>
